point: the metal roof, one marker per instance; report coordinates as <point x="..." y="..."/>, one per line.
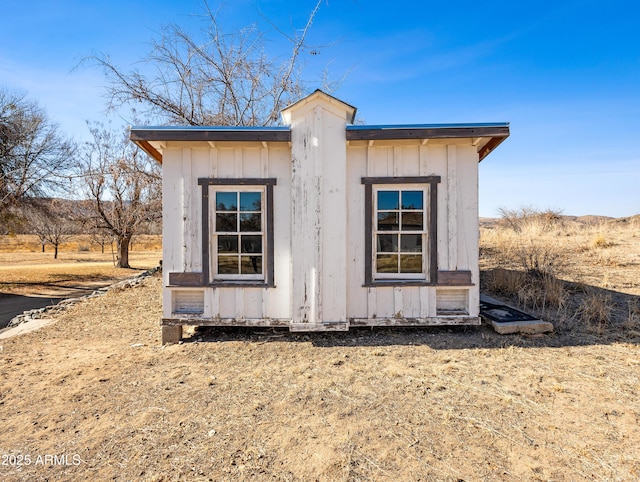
<point x="209" y="128"/>
<point x="426" y="126"/>
<point x="496" y="132"/>
<point x="210" y="133"/>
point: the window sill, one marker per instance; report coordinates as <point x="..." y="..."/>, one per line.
<point x="378" y="284"/>
<point x="240" y="284"/>
<point x="398" y="282"/>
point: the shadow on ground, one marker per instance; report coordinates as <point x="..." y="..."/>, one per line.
<point x="437" y="338"/>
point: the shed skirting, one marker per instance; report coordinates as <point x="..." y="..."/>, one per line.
<point x="328" y="326"/>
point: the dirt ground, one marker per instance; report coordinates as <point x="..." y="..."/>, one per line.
<point x="94" y="396"/>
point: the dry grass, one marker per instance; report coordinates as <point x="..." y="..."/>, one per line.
<point x="433" y="404"/>
<point x="443" y="404"/>
<point x="580" y="273"/>
<point x="24" y="268"/>
<point x="25" y="243"/>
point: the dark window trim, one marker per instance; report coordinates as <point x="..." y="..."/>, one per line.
<point x="269" y="280"/>
<point x="432" y="227"/>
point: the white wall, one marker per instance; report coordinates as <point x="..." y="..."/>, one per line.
<point x="319" y="221"/>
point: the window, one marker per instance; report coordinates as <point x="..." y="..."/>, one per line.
<point x="237" y="223"/>
<point x="238" y="233"/>
<point x="400" y="230"/>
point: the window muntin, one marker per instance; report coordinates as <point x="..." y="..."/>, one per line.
<point x="399" y="232"/>
<point x="238" y="233"/>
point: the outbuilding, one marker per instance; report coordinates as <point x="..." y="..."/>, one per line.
<point x="320" y="224"/>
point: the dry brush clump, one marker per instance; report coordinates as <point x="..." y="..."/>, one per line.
<point x="528" y="246"/>
<point x="580" y="273"/>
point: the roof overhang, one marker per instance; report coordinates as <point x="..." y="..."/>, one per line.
<point x="486" y="136"/>
<point x="153" y="139"/>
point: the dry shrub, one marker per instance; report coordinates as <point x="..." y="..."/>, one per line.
<point x="543" y="293"/>
<point x="596" y="310"/>
<point x="600" y="241"/>
<point x="527" y="216"/>
<point x="539" y="257"/>
<point x="505" y="282"/>
<point x="632" y="323"/>
<point x="533" y="240"/>
<point x="535" y="292"/>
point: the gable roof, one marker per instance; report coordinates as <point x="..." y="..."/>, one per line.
<point x="319" y="94"/>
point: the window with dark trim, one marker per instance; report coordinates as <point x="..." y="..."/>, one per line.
<point x="401" y="230"/>
<point x="237" y="222"/>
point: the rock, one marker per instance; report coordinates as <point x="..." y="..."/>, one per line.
<point x="523" y="327"/>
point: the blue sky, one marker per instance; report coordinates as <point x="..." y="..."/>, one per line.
<point x="565" y="74"/>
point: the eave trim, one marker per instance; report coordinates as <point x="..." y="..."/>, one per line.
<point x="270" y="134"/>
<point x="366" y="133"/>
<point x="149" y="149"/>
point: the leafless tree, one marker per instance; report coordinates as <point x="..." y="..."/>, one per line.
<point x="123" y="199"/>
<point x="34" y="157"/>
<point x="101" y="237"/>
<point x="216" y="78"/>
<point x="52" y="220"/>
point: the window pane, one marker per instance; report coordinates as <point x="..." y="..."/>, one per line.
<point x="226" y="201"/>
<point x="411" y="243"/>
<point x="387" y="263"/>
<point x="411" y="263"/>
<point x="251" y="265"/>
<point x="388" y="221"/>
<point x="250" y="201"/>
<point x="252" y="244"/>
<point x="251" y="222"/>
<point x="227" y="244"/>
<point x="387" y="243"/>
<point x="227" y="264"/>
<point x="226" y="223"/>
<point x="412" y="199"/>
<point x="388" y="200"/>
<point x="412" y="221"/>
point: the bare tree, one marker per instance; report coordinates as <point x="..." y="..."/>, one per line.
<point x="123" y="199"/>
<point x="101" y="237"/>
<point x="52" y="220"/>
<point x="217" y="78"/>
<point x="34" y="157"/>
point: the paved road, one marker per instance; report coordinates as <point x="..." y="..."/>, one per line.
<point x="13" y="304"/>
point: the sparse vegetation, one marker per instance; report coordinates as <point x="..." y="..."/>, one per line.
<point x="386" y="404"/>
<point x="578" y="273"/>
<point x="383" y="404"/>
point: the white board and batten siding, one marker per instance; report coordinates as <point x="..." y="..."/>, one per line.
<point x="456" y="164"/>
<point x="319" y="220"/>
<point x="182" y="231"/>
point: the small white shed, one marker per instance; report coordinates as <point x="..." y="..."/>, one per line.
<point x="320" y="224"/>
